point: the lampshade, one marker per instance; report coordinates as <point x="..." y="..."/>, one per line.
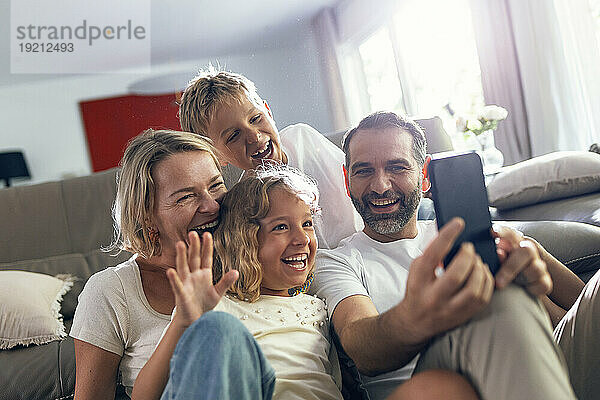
<point x="13" y="165"/>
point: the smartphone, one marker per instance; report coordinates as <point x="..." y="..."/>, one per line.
<point x="458" y="190"/>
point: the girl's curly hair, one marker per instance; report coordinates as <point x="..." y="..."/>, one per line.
<point x="242" y="208"/>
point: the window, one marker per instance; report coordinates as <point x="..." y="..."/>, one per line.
<point x="595" y="9"/>
<point x="381" y="75"/>
<point x="421" y="59"/>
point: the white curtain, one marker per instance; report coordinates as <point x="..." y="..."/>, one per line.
<point x="582" y="59"/>
<point x="558" y="61"/>
<point x="501" y="77"/>
<point x="324" y="27"/>
<point x="339" y="24"/>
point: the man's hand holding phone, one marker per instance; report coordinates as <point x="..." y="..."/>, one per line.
<point x="458" y="190"/>
<point x="435" y="304"/>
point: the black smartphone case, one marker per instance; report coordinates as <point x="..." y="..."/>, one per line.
<point x="458" y="190"/>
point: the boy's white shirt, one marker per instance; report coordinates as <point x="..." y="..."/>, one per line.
<point x="318" y="157"/>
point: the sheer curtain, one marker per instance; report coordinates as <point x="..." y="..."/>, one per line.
<point x="582" y="60"/>
<point x="334" y="27"/>
<point x="553" y="66"/>
<point x="325" y="30"/>
<point x="501" y="76"/>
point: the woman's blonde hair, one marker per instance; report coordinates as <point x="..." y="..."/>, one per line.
<point x="242" y="208"/>
<point x="134" y="203"/>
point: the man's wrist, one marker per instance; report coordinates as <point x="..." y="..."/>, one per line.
<point x="408" y="331"/>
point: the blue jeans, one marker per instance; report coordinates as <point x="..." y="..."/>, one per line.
<point x="218" y="358"/>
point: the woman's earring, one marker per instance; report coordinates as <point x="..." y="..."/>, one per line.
<point x="153" y="234"/>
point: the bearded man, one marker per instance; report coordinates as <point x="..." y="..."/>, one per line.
<point x="397" y="311"/>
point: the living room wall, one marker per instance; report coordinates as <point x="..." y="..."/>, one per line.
<point x="42" y="117"/>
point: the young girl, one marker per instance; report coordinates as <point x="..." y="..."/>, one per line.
<point x="269" y="327"/>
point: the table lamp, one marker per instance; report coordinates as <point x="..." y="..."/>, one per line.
<point x="13" y="165"/>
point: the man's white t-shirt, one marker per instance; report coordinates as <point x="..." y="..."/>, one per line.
<point x="316" y="156"/>
<point x="114" y="314"/>
<point x="363" y="266"/>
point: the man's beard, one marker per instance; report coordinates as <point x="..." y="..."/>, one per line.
<point x="390" y="223"/>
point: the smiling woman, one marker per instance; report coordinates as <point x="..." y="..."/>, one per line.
<point x="187" y="188"/>
<point x="169" y="184"/>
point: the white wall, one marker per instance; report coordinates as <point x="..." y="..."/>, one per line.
<point x="42" y="118"/>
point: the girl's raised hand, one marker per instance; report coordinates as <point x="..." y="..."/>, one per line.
<point x="192" y="281"/>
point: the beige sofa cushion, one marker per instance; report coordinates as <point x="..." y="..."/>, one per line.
<point x="549" y="177"/>
<point x="30" y="308"/>
<point x="88" y="201"/>
<point x="80" y="266"/>
<point x="49" y="219"/>
<point x="34" y="223"/>
<point x="71" y="264"/>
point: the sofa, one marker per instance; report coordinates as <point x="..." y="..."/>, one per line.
<point x="60" y="228"/>
<point x="54" y="228"/>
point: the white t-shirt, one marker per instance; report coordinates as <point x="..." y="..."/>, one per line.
<point x="363" y="266"/>
<point x="293" y="333"/>
<point x="316" y="156"/>
<point x="114" y="314"/>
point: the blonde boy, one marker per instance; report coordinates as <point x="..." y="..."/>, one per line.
<point x="226" y="108"/>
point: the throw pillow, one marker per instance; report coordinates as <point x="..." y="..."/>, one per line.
<point x="548" y="177"/>
<point x="30" y="308"/>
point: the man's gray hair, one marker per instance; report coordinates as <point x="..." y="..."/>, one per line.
<point x="388" y="119"/>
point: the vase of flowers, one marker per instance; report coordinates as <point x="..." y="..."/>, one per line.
<point x="480" y="127"/>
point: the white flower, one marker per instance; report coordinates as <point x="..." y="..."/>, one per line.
<point x="461" y="124"/>
<point x="493" y="113"/>
<point x="473" y="124"/>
